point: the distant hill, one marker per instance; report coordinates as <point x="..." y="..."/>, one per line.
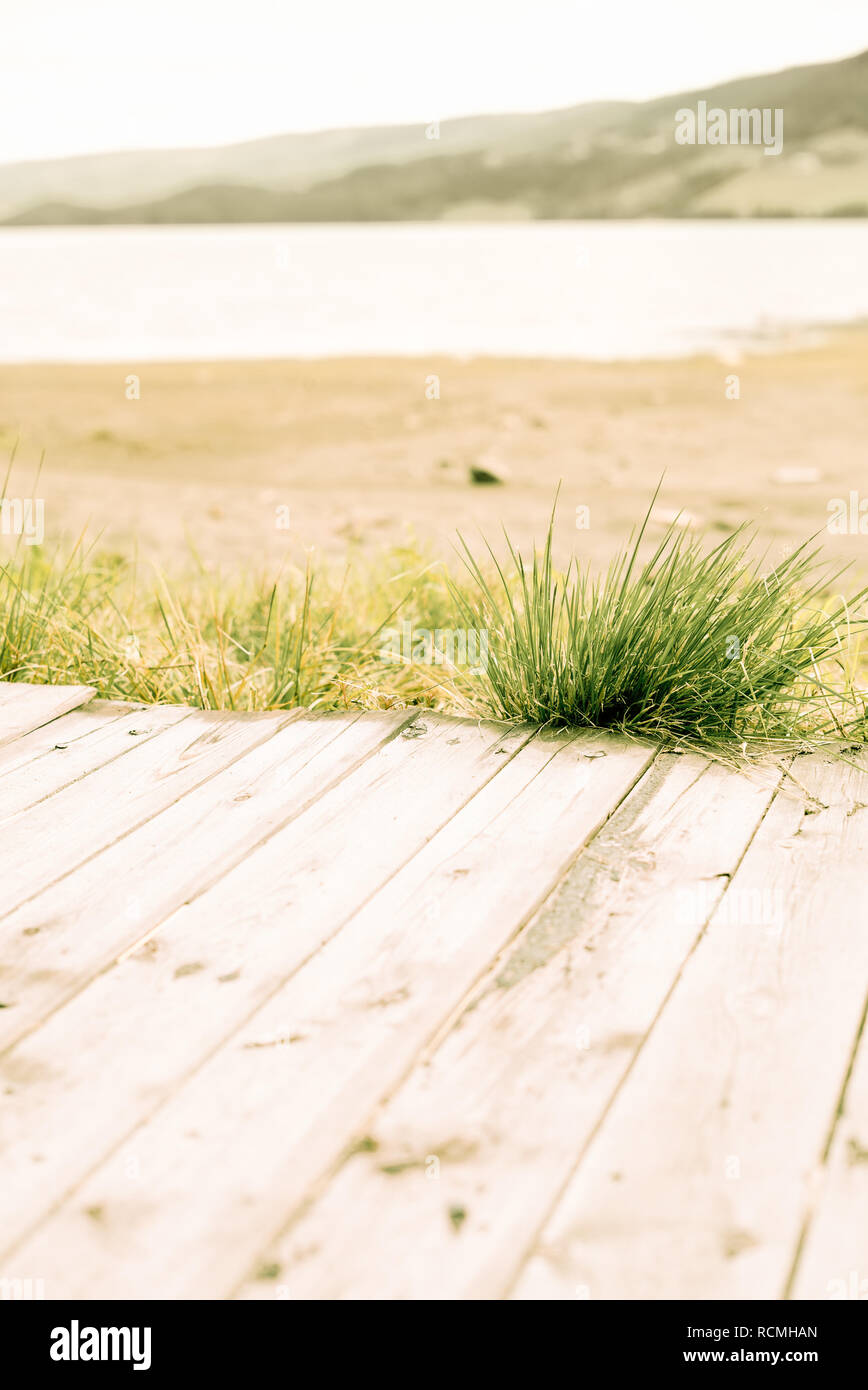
<point x="604" y="159"/>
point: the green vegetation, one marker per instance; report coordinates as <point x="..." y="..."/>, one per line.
<point x="693" y="645"/>
<point x="240" y="644"/>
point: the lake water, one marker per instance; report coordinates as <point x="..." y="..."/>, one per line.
<point x="603" y="290"/>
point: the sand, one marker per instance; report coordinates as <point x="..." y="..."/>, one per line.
<point x="260" y="461"/>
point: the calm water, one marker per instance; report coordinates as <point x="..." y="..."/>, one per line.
<point x="599" y="290"/>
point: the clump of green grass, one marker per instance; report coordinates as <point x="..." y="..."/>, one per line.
<point x="690" y="645"/>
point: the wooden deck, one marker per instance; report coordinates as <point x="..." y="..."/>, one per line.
<point x="396" y="1006"/>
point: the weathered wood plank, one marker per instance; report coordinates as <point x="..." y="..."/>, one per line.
<point x="68" y="728"/>
<point x="833" y="1261"/>
<point x="239" y="1145"/>
<point x="64" y="936"/>
<point x="25" y="707"/>
<point x="106" y="1059"/>
<point x="83" y="741"/>
<point x="82" y="819"/>
<point x="465" y="1161"/>
<point x="696" y="1182"/>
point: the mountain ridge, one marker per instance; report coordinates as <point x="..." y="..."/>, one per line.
<point x="595" y="159"/>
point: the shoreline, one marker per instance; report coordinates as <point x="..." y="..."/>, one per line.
<point x="759" y="341"/>
<point x="365" y="456"/>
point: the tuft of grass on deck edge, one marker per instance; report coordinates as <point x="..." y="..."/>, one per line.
<point x="695" y="647"/>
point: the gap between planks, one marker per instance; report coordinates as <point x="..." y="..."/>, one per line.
<point x="25" y="707"/>
<point x="830" y="1260"/>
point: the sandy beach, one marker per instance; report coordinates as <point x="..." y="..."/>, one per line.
<point x="255" y="462"/>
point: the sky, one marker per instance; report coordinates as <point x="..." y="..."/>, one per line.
<point x="78" y="76"/>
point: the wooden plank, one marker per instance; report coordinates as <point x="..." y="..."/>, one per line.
<point x="68" y="728"/>
<point x="833" y="1255"/>
<point x="24" y="707"/>
<point x="463" y="1164"/>
<point x="696" y="1182"/>
<point x="133" y="1035"/>
<point x="79" y="821"/>
<point x="235" y="1149"/>
<point x="83" y="741"/>
<point x="64" y="936"/>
